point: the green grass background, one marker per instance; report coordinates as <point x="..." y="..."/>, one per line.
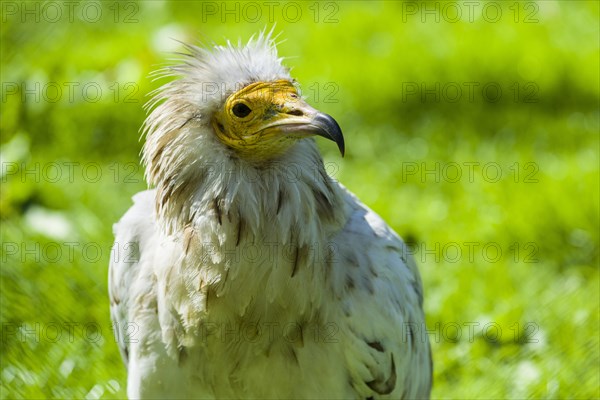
<point x="520" y="324"/>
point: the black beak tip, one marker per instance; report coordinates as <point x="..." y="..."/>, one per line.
<point x="342" y="147"/>
<point x="331" y="130"/>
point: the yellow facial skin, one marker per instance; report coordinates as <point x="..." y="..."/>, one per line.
<point x="264" y="119"/>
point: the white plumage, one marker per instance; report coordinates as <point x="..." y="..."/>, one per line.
<point x="248" y="272"/>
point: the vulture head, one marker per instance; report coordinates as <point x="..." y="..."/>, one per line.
<point x="231" y="113"/>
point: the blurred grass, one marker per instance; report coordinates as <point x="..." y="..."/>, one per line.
<point x="542" y="291"/>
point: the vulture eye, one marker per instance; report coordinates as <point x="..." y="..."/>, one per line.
<point x="241" y="110"/>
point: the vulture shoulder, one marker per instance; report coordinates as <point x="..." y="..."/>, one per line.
<point x="380" y="293"/>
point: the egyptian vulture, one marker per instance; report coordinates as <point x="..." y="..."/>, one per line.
<point x="248" y="272"/>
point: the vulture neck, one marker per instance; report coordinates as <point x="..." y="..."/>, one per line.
<point x="257" y="237"/>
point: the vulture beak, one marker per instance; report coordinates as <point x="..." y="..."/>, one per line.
<point x="297" y="118"/>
